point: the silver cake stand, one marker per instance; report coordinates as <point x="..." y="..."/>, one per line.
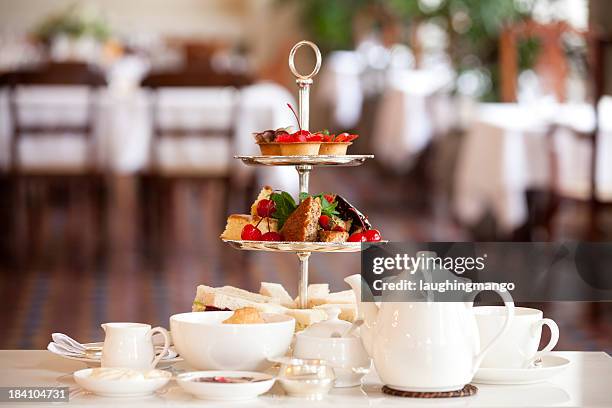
<point x="304" y="165"/>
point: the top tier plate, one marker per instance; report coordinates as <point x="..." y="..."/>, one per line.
<point x="319" y="160"/>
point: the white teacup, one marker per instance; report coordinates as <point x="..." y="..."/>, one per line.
<point x="518" y="348"/>
<point x="130" y="345"/>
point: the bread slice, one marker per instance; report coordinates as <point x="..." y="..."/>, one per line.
<point x="277" y="291"/>
<point x="302" y="224"/>
<point x="344" y="297"/>
<point x="306" y="317"/>
<point x="348" y="311"/>
<point x="236" y="222"/>
<point x="264" y="194"/>
<point x="229" y="297"/>
<point x="333" y="236"/>
<point x="317" y="293"/>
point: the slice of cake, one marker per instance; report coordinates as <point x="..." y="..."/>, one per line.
<point x="236" y="222"/>
<point x="333" y="236"/>
<point x="302" y="224"/>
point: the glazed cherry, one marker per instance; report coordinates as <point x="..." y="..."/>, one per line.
<point x="372" y="235"/>
<point x="265" y="208"/>
<point x="250" y="233"/>
<point x="357" y="237"/>
<point x="271" y="236"/>
<point x="324" y="222"/>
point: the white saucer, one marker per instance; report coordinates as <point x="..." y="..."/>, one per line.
<point x="120" y="388"/>
<point x="95" y="362"/>
<point x="225" y="391"/>
<point x="551" y="366"/>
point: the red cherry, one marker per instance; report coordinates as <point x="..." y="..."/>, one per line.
<point x="271" y="236"/>
<point x="265" y="208"/>
<point x="357" y="237"/>
<point x="324" y="222"/>
<point x="284" y="138"/>
<point x="329" y="197"/>
<point x="300" y="136"/>
<point x="372" y="235"/>
<point x="250" y="233"/>
<point x="338" y="228"/>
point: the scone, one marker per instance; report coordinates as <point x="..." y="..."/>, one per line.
<point x="303" y="223"/>
<point x="236" y="222"/>
<point x="246" y="315"/>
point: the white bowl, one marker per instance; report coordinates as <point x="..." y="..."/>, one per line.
<point x="208" y="344"/>
<point x="228" y="391"/>
<point x="346" y="355"/>
<point x="120" y="388"/>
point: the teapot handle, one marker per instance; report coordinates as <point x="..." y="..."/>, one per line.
<point x="509" y="304"/>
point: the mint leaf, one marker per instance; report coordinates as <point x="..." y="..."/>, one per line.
<point x="285" y="205"/>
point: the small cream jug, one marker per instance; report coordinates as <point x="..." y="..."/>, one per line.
<point x="130" y="345"/>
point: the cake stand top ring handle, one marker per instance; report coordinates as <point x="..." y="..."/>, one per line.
<point x="292" y="62"/>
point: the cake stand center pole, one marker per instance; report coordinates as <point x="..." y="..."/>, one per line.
<point x="304" y="81"/>
<point x="303" y="285"/>
<point x="304" y="175"/>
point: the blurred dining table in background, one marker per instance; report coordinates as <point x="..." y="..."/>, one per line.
<point x="123" y="126"/>
<point x="506" y="153"/>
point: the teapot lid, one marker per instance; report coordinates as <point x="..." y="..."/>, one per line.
<point x="331" y="326"/>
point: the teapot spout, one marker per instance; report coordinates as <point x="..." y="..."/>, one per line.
<point x="366" y="310"/>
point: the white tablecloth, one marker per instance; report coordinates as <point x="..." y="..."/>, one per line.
<point x="504" y="153"/>
<point x="123" y="128"/>
<point x="414" y="108"/>
<point x="584" y="383"/>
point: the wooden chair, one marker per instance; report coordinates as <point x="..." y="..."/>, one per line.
<point x="159" y="183"/>
<point x="36" y="187"/>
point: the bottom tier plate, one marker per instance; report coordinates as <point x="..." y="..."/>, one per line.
<point x="281" y="246"/>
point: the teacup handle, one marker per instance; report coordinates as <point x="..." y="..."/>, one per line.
<point x="166" y="337"/>
<point x="554" y="338"/>
<point x="509" y="304"/>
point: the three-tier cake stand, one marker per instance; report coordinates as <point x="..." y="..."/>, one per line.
<point x="304" y="165"/>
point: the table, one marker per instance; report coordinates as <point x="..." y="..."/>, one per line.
<point x="505" y="153"/>
<point x="123" y="127"/>
<point x="585" y="383"/>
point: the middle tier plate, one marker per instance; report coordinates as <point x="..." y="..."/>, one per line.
<point x="319" y="160"/>
<point x="279" y="246"/>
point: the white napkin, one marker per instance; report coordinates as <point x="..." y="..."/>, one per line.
<point x="66" y="346"/>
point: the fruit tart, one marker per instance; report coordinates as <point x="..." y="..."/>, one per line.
<point x="275" y="216"/>
<point x="336" y="144"/>
<point x="283" y="142"/>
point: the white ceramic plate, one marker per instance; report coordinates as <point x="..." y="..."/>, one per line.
<point x="95" y="362"/>
<point x="551" y="366"/>
<point x="120" y="388"/>
<point x="225" y="391"/>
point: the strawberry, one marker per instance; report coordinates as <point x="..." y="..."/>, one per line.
<point x="324" y="222"/>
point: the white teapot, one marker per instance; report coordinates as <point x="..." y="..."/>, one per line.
<point x="423" y="346"/>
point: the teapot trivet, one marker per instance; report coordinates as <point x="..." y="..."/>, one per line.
<point x="466" y="391"/>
